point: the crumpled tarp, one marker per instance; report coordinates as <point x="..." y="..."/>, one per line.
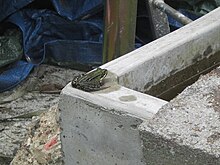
<point x="77" y="9"/>
<point x="7" y="7"/>
<point x="14" y="75"/>
<point x="87" y="53"/>
<point x="43" y="27"/>
<point x="70" y="36"/>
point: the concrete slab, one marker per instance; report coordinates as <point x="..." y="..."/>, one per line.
<point x="186" y="130"/>
<point x="154" y="62"/>
<point x="101" y="127"/>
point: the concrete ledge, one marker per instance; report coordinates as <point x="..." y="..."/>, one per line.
<point x="186" y="130"/>
<point x="101" y="127"/>
<point x="169" y="54"/>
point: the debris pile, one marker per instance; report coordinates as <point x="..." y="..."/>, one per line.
<point x="24" y="104"/>
<point x="42" y="144"/>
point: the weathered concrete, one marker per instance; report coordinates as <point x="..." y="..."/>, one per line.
<point x="167" y="55"/>
<point x="11" y="136"/>
<point x="186" y="130"/>
<point x="41" y="145"/>
<point x="101" y="127"/>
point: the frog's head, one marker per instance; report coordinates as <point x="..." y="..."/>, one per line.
<point x="102" y="73"/>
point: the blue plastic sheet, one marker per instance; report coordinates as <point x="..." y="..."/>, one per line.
<point x="70" y="36"/>
<point x="42" y="26"/>
<point x="7" y="7"/>
<point x="90" y="53"/>
<point x="77" y="9"/>
<point x="13" y="76"/>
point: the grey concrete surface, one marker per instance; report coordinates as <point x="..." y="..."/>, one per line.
<point x="186" y="130"/>
<point x="94" y="136"/>
<point x="11" y="136"/>
<point x="101" y="127"/>
<point x="150" y="64"/>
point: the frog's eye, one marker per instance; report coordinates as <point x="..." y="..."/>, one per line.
<point x="74" y="82"/>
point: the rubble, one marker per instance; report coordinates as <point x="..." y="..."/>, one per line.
<point x="42" y="144"/>
<point x="23" y="105"/>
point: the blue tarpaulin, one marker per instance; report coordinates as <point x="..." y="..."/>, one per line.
<point x="77" y="9"/>
<point x="13" y="76"/>
<point x="71" y="35"/>
<point x="40" y="27"/>
<point x="7" y="7"/>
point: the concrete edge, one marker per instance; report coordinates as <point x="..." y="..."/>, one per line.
<point x="171" y="53"/>
<point x="120" y="99"/>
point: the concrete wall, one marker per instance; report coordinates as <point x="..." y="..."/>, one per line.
<point x="102" y="127"/>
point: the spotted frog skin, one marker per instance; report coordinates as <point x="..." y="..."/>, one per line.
<point x="91" y="81"/>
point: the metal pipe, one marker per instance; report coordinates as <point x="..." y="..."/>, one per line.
<point x="172" y="12"/>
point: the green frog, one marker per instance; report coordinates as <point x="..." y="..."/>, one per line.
<point x="91" y="81"/>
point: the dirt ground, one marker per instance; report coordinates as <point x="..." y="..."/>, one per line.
<point x="29" y="128"/>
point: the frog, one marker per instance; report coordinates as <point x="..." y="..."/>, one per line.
<point x="91" y="81"/>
